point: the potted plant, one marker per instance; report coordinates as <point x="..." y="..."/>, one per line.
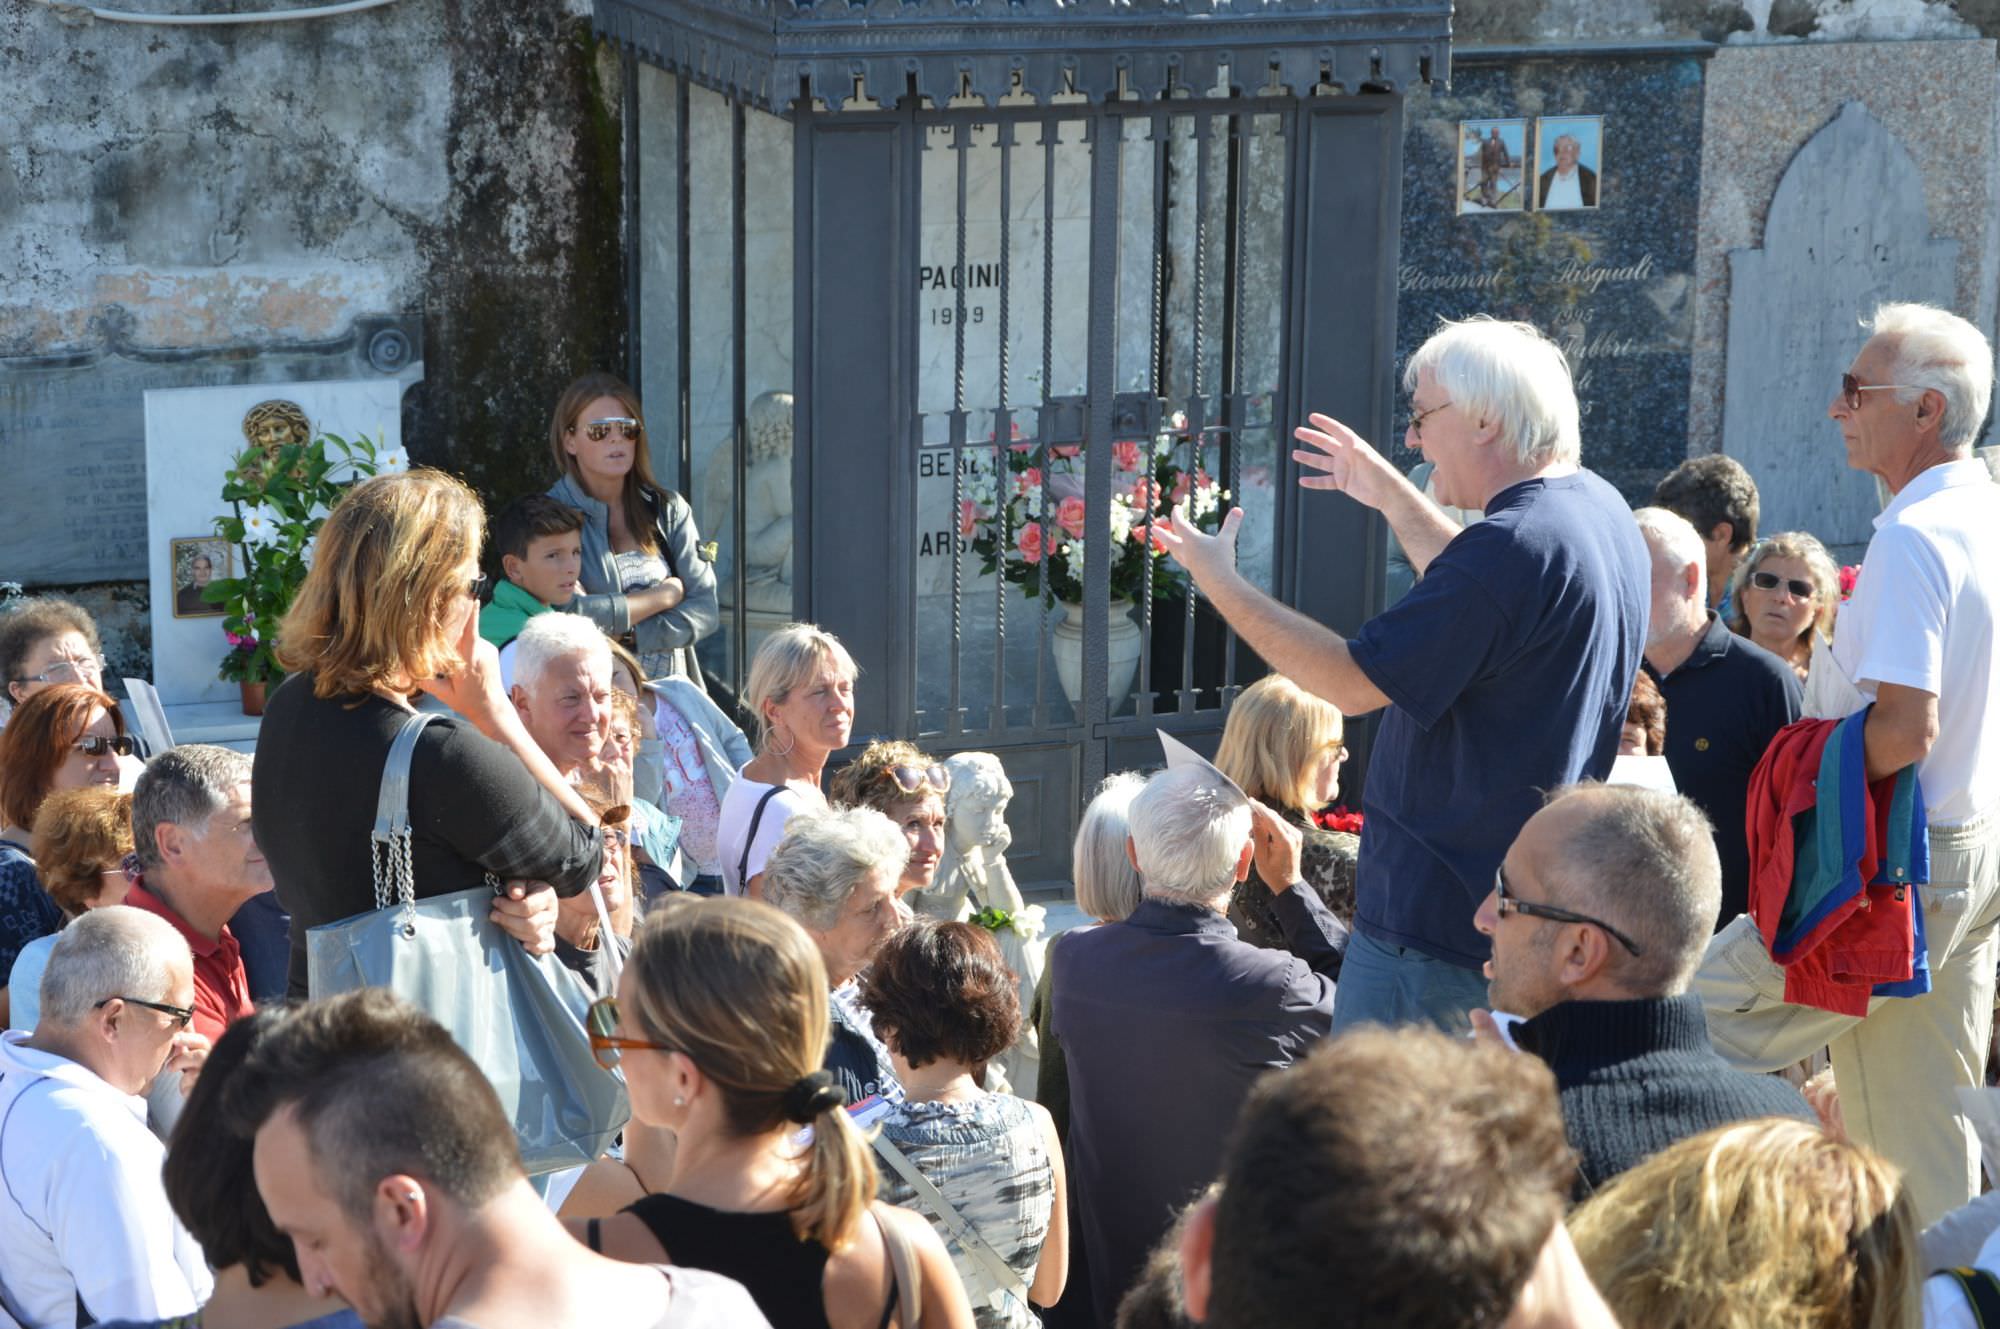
<point x="1034" y="536"/>
<point x="278" y="499"/>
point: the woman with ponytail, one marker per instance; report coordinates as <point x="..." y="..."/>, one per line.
<point x="721" y="1027"/>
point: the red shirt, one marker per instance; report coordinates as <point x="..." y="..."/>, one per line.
<point x="221" y="987"/>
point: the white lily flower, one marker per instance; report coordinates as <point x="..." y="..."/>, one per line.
<point x="260" y="526"/>
<point x="392" y="461"/>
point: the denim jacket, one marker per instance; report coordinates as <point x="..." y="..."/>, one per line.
<point x="602" y="599"/>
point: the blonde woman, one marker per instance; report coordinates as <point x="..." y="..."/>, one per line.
<point x="388" y="611"/>
<point x="1769" y="1224"/>
<point x="1784" y="595"/>
<point x="721" y="1026"/>
<point x="800" y="695"/>
<point x="1285" y="747"/>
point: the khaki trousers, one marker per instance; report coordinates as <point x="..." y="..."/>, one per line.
<point x="1897" y="1068"/>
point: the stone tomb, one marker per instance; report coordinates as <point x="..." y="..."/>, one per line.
<point x="192" y="435"/>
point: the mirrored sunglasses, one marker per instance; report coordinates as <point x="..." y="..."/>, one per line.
<point x="599" y="430"/>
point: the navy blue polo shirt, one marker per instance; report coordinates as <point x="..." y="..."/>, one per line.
<point x="1509" y="669"/>
<point x="1724" y="704"/>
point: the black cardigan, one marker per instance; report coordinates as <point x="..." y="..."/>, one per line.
<point x="1637" y="1076"/>
<point x="473" y="809"/>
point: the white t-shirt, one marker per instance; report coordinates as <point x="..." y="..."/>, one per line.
<point x="739" y="809"/>
<point x="1926" y="615"/>
<point x="84" y="1211"/>
<point x="1565" y="191"/>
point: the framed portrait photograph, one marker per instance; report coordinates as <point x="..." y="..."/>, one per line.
<point x="198" y="560"/>
<point x="1569" y="162"/>
<point x="1492" y="166"/>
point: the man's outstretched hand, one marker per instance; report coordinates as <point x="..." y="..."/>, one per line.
<point x="1343" y="461"/>
<point x="1206" y="557"/>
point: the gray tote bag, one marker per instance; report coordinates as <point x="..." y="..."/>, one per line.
<point x="519" y="1016"/>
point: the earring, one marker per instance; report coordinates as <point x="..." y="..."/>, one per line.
<point x="679" y="1101"/>
<point x="785" y="751"/>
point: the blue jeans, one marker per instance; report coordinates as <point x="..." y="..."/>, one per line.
<point x="1382" y="983"/>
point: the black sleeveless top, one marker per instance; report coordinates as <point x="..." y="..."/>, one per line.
<point x="760" y="1251"/>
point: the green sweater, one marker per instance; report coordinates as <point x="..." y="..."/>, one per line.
<point x="502" y="620"/>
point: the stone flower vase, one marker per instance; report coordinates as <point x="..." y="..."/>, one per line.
<point x="1122" y="650"/>
<point x="253" y="696"/>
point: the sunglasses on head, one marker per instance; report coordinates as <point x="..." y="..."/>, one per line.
<point x="1771" y="581"/>
<point x="96" y="745"/>
<point x="599" y="430"/>
<point x="912" y="779"/>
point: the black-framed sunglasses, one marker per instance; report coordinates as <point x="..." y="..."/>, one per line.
<point x="1851" y="389"/>
<point x="605" y="1045"/>
<point x="183" y="1016"/>
<point x="1771" y="581"/>
<point x="599" y="430"/>
<point x="912" y="779"/>
<point x="479" y="586"/>
<point x="1513" y="904"/>
<point x="96" y="745"/>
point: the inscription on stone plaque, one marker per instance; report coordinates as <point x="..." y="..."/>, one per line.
<point x="73" y="440"/>
<point x="1848" y="229"/>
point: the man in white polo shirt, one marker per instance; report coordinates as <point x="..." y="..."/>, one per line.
<point x="85" y="1228"/>
<point x="1920" y="639"/>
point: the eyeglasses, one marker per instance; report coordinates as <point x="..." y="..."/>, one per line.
<point x="479" y="586"/>
<point x="912" y="779"/>
<point x="599" y="430"/>
<point x="1851" y="389"/>
<point x="1339" y="746"/>
<point x="70" y="671"/>
<point x="606" y="1046"/>
<point x="1770" y="581"/>
<point x="1417" y="418"/>
<point x="1511" y="904"/>
<point x="182" y="1015"/>
<point x="97" y="745"/>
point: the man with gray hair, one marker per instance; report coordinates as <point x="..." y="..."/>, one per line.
<point x="834" y="873"/>
<point x="1919" y="644"/>
<point x="562" y="688"/>
<point x="1727" y="697"/>
<point x="1505" y="671"/>
<point x="199" y="863"/>
<point x="1166" y="1017"/>
<point x="86" y="1228"/>
<point x="1599" y="916"/>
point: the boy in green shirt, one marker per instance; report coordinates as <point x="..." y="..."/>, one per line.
<point x="540" y="546"/>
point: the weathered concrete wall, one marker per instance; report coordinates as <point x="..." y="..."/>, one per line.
<point x="1535" y="22"/>
<point x="197" y="187"/>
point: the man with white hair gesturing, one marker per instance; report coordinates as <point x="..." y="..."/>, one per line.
<point x="1167" y="1018"/>
<point x="85" y="1227"/>
<point x="1506" y="670"/>
<point x="562" y="688"/>
<point x="1920" y="641"/>
<point x="1726" y="696"/>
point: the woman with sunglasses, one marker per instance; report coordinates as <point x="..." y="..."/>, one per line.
<point x="388" y="611"/>
<point x="1285" y="747"/>
<point x="67" y="736"/>
<point x="720" y="1027"/>
<point x="82" y="838"/>
<point x="906" y="786"/>
<point x="643" y="570"/>
<point x="1784" y="596"/>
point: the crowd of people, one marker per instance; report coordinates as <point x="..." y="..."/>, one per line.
<point x="1555" y="1044"/>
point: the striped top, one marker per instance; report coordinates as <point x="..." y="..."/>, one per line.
<point x="990" y="1159"/>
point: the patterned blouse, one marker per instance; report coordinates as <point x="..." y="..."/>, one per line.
<point x="641" y="571"/>
<point x="990" y="1159"/>
<point x="686" y="791"/>
<point x="1326" y="861"/>
<point x="26" y="911"/>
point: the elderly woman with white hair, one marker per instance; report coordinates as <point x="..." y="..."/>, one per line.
<point x="835" y="874"/>
<point x="800" y="694"/>
<point x="1505" y="671"/>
